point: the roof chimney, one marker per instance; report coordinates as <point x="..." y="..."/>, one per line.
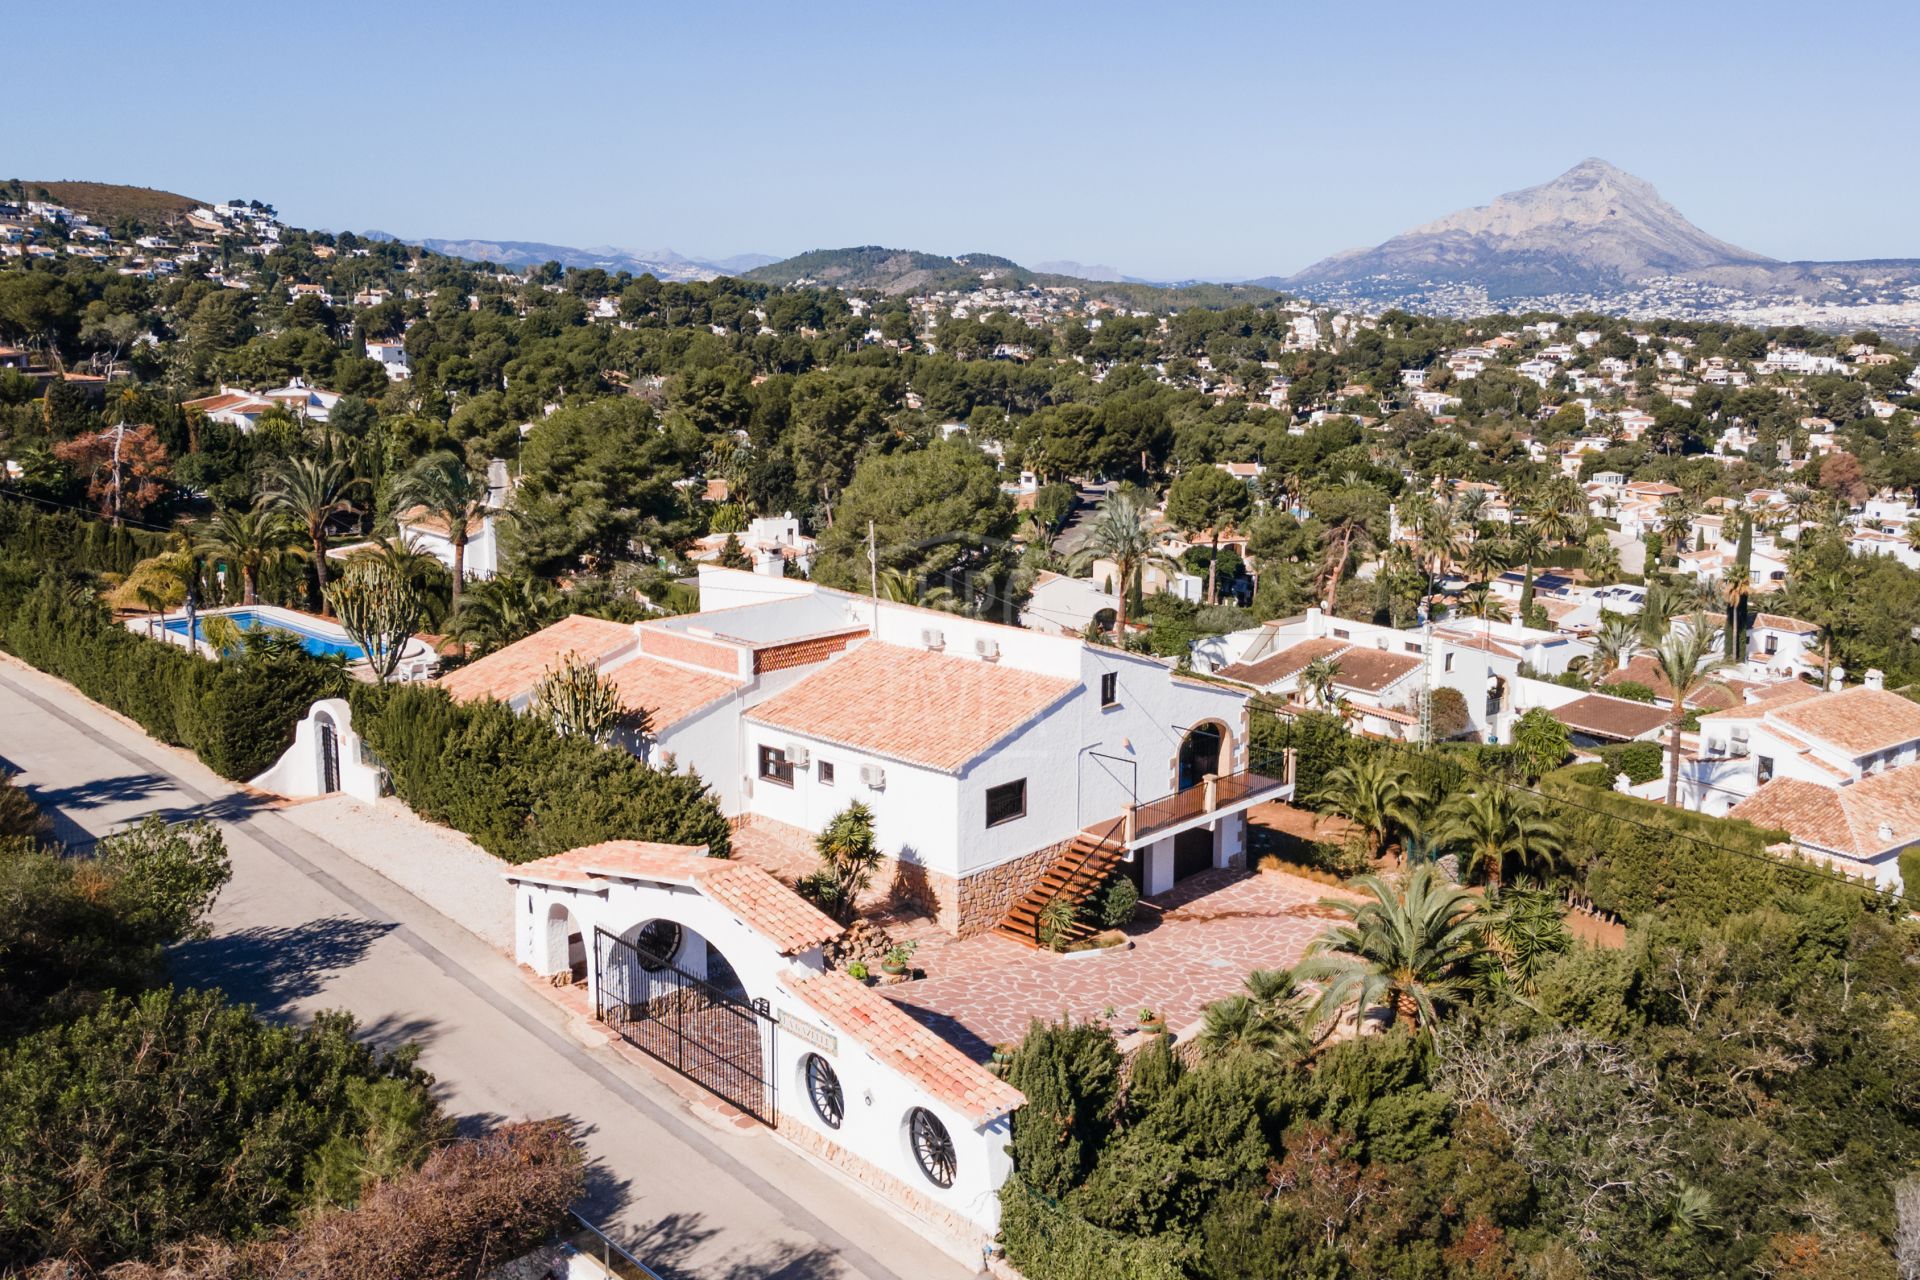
<point x="1875" y="678"/>
<point x="1885" y="832"/>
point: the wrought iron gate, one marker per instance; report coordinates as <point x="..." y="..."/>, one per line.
<point x="721" y="1041"/>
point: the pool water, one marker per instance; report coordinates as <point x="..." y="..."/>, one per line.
<point x="314" y="642"/>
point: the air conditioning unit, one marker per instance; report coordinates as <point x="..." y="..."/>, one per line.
<point x="796" y="753"/>
<point x="988" y="649"/>
<point x="933" y="638"/>
<point x="873" y="776"/>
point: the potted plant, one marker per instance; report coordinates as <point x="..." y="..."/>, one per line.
<point x="858" y="971"/>
<point x="1152" y="1024"/>
<point x="1002" y="1060"/>
<point x="894" y="963"/>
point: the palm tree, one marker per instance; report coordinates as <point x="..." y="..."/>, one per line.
<point x="1375" y="795"/>
<point x="310" y="491"/>
<point x="1346" y="532"/>
<point x="1438" y="538"/>
<point x="501" y="610"/>
<point x="902" y="587"/>
<point x="252" y="538"/>
<point x="1601" y="559"/>
<point x="1122" y="531"/>
<point x="1736" y="583"/>
<point x="1685" y="658"/>
<point x="1265" y="1020"/>
<point x="1822" y="597"/>
<point x="1488" y="558"/>
<point x="1411" y="949"/>
<point x="1615" y="643"/>
<point x="449" y="490"/>
<point x="1493" y="825"/>
<point x="1318" y="677"/>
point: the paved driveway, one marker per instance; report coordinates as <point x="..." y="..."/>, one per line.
<point x="303" y="927"/>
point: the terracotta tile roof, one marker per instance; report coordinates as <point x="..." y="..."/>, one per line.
<point x="1371" y="670"/>
<point x="1781" y="622"/>
<point x="668" y="693"/>
<point x="761" y="902"/>
<point x="1770" y="696"/>
<point x="1467" y="639"/>
<point x="1858" y="721"/>
<point x="1607" y="717"/>
<point x="1645" y="669"/>
<point x="912" y="705"/>
<point x="509" y="673"/>
<point x="1862" y="820"/>
<point x="1275" y="667"/>
<point x="887" y="1032"/>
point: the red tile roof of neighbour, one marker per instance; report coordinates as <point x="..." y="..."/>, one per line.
<point x="912" y="705"/>
<point x="1785" y="693"/>
<point x="1781" y="622"/>
<point x="762" y="903"/>
<point x="1480" y="640"/>
<point x="1645" y="669"/>
<point x="892" y="1036"/>
<point x="1859" y="721"/>
<point x="1371" y="670"/>
<point x="668" y="693"/>
<point x="1289" y="661"/>
<point x="509" y="673"/>
<point x="1608" y="717"/>
<point x="1861" y="820"/>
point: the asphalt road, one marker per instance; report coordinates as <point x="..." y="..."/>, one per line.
<point x="303" y="927"/>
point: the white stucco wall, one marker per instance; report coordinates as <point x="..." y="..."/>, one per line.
<point x="299" y="770"/>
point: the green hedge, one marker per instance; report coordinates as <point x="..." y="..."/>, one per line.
<point x="1640" y="761"/>
<point x="237" y="715"/>
<point x="520" y="789"/>
<point x="1049" y="1242"/>
<point x="73" y="542"/>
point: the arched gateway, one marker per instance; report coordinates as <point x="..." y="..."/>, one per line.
<point x="715" y="969"/>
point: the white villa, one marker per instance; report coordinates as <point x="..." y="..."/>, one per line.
<point x="987" y="753"/>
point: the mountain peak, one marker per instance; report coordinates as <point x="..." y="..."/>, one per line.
<point x="1593" y="228"/>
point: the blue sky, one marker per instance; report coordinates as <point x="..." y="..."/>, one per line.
<point x="1168" y="140"/>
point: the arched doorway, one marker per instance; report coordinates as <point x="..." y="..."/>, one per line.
<point x="329" y="753"/>
<point x="1202" y="752"/>
<point x="673" y="995"/>
<point x="566" y="948"/>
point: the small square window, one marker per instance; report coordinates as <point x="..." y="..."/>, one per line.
<point x="1006" y="802"/>
<point x="1446" y="662"/>
<point x="1110" y="688"/>
<point x="826" y="773"/>
<point x="1341" y="633"/>
<point x="775" y="767"/>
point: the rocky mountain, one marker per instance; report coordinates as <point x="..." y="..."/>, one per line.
<point x="1592" y="228"/>
<point x="897" y="271"/>
<point x="1598" y="237"/>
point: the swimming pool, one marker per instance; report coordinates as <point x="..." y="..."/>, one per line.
<point x="312" y="638"/>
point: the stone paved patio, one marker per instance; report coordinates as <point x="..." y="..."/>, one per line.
<point x="1190" y="947"/>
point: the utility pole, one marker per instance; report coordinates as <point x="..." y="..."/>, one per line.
<point x="1426" y="675"/>
<point x="873" y="575"/>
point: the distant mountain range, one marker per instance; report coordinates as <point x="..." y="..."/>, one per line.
<point x="1593" y="233"/>
<point x="662" y="264"/>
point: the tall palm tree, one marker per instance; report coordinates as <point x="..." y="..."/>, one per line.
<point x="1412" y="949"/>
<point x="1822" y="597"/>
<point x="1439" y="538"/>
<point x="1686" y="658"/>
<point x="1122" y="531"/>
<point x="1615" y="643"/>
<point x="252" y="538"/>
<point x="1318" y="677"/>
<point x="1736" y="583"/>
<point x="449" y="490"/>
<point x="310" y="491"/>
<point x="1492" y="825"/>
<point x="1376" y="795"/>
<point x="1488" y="558"/>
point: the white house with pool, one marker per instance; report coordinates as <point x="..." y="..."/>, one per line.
<point x="715" y="968"/>
<point x="319" y="636"/>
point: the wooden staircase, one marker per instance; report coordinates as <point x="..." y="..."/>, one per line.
<point x="1081" y="869"/>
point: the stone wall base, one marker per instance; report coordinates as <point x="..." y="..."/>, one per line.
<point x="984" y="898"/>
<point x="960" y="1236"/>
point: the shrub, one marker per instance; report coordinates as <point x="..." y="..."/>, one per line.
<point x="1050" y="1242"/>
<point x="1640" y="761"/>
<point x="1631" y="690"/>
<point x="178" y="1114"/>
<point x="1910" y="873"/>
<point x="1117" y="903"/>
<point x="1069" y="1073"/>
<point x="519" y="788"/>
